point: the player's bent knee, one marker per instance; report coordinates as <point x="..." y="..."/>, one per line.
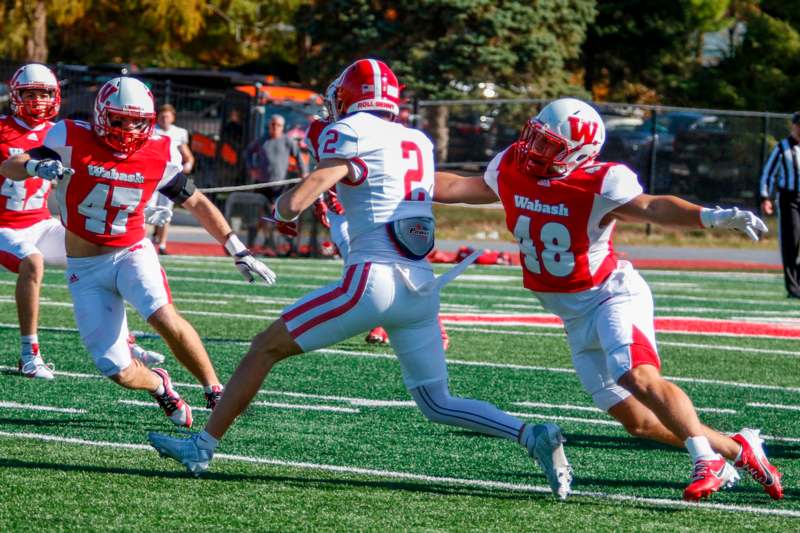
<point x="642" y="380"/>
<point x="32" y="268"/>
<point x="432" y="400"/>
<point x="274" y="343"/>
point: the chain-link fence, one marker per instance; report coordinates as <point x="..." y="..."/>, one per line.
<point x="702" y="154"/>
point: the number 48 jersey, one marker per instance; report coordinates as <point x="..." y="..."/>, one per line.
<point x="393" y="167"/>
<point x="104" y="201"/>
<point x="557" y="222"/>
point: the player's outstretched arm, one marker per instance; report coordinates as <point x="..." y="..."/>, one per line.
<point x="449" y="188"/>
<point x="674" y="211"/>
<point x="215" y="224"/>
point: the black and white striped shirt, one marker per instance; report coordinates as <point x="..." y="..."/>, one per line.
<point x="782" y="170"/>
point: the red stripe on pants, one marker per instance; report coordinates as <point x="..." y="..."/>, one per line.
<point x="323" y="298"/>
<point x="642" y="351"/>
<point x="336" y="311"/>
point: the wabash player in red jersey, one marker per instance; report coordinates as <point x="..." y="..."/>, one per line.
<point x="561" y="205"/>
<point x="107" y="172"/>
<point x="29" y="236"/>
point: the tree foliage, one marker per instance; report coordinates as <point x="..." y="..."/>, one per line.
<point x="437" y="46"/>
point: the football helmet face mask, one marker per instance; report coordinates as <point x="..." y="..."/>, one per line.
<point x="566" y="135"/>
<point x="368" y="85"/>
<point x="329" y="100"/>
<point x="40" y="106"/>
<point x="124" y="114"/>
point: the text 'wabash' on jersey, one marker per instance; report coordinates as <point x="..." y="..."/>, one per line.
<point x="22" y="203"/>
<point x="563" y="247"/>
<point x="103" y="201"/>
<point x="392" y="167"/>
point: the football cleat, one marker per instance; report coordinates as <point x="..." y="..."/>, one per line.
<point x="755" y="462"/>
<point x="148" y="357"/>
<point x="545" y="445"/>
<point x="186" y="451"/>
<point x="213" y="397"/>
<point x="377" y="336"/>
<point x="171" y="402"/>
<point x="709" y="476"/>
<point x="35" y="367"/>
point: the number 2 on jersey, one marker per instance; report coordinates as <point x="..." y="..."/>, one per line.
<point x="413" y="175"/>
<point x="93" y="207"/>
<point x="557" y="259"/>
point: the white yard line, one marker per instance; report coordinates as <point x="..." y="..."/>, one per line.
<point x="571" y="407"/>
<point x="303" y="407"/>
<point x="31" y="407"/>
<point x="774" y="406"/>
<point x="514" y="487"/>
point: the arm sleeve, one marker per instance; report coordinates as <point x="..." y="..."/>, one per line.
<point x="767" y="182"/>
<point x="493" y="171"/>
<point x="56" y="141"/>
<point x="340" y="141"/>
<point x="173" y="167"/>
<point x="620" y="185"/>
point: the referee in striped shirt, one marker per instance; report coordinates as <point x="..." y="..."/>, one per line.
<point x="781" y="179"/>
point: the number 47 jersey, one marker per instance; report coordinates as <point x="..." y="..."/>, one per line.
<point x="104" y="201"/>
<point x="557" y="222"/>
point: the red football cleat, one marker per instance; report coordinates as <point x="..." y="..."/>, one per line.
<point x="171" y="402"/>
<point x="709" y="476"/>
<point x="377" y="336"/>
<point x="754" y="461"/>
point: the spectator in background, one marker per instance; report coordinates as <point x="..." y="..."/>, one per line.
<point x="233" y="130"/>
<point x="165" y="125"/>
<point x="268" y="157"/>
<point x="780" y="179"/>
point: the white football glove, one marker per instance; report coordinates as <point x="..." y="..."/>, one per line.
<point x="48" y="169"/>
<point x="158" y="215"/>
<point x="249" y="266"/>
<point x="745" y="221"/>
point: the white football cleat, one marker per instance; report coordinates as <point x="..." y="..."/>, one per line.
<point x="545" y="445"/>
<point x="35" y="367"/>
<point x="186" y="451"/>
<point x="171" y="402"/>
<point x="148" y="357"/>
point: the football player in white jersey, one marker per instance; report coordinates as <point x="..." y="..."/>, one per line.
<point x="561" y="204"/>
<point x="384" y="175"/>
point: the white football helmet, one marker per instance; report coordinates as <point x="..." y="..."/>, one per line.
<point x="124" y="114"/>
<point x="35" y="76"/>
<point x="566" y="134"/>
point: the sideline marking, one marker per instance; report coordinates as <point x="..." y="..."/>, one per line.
<point x="31" y="407"/>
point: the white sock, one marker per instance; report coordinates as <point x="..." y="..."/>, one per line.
<point x="206" y="441"/>
<point x="29" y="346"/>
<point x="159" y="390"/>
<point x="700" y="448"/>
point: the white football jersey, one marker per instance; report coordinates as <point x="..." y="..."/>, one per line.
<point x="393" y="179"/>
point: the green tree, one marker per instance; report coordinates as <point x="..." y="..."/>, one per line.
<point x="442" y="47"/>
<point x="642" y="51"/>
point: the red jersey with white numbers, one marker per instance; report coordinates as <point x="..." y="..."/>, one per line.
<point x="22" y="203"/>
<point x="104" y="200"/>
<point x="563" y="246"/>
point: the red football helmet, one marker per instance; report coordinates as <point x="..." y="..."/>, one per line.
<point x="368" y="85"/>
<point x="35" y="76"/>
<point x="124" y="114"/>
